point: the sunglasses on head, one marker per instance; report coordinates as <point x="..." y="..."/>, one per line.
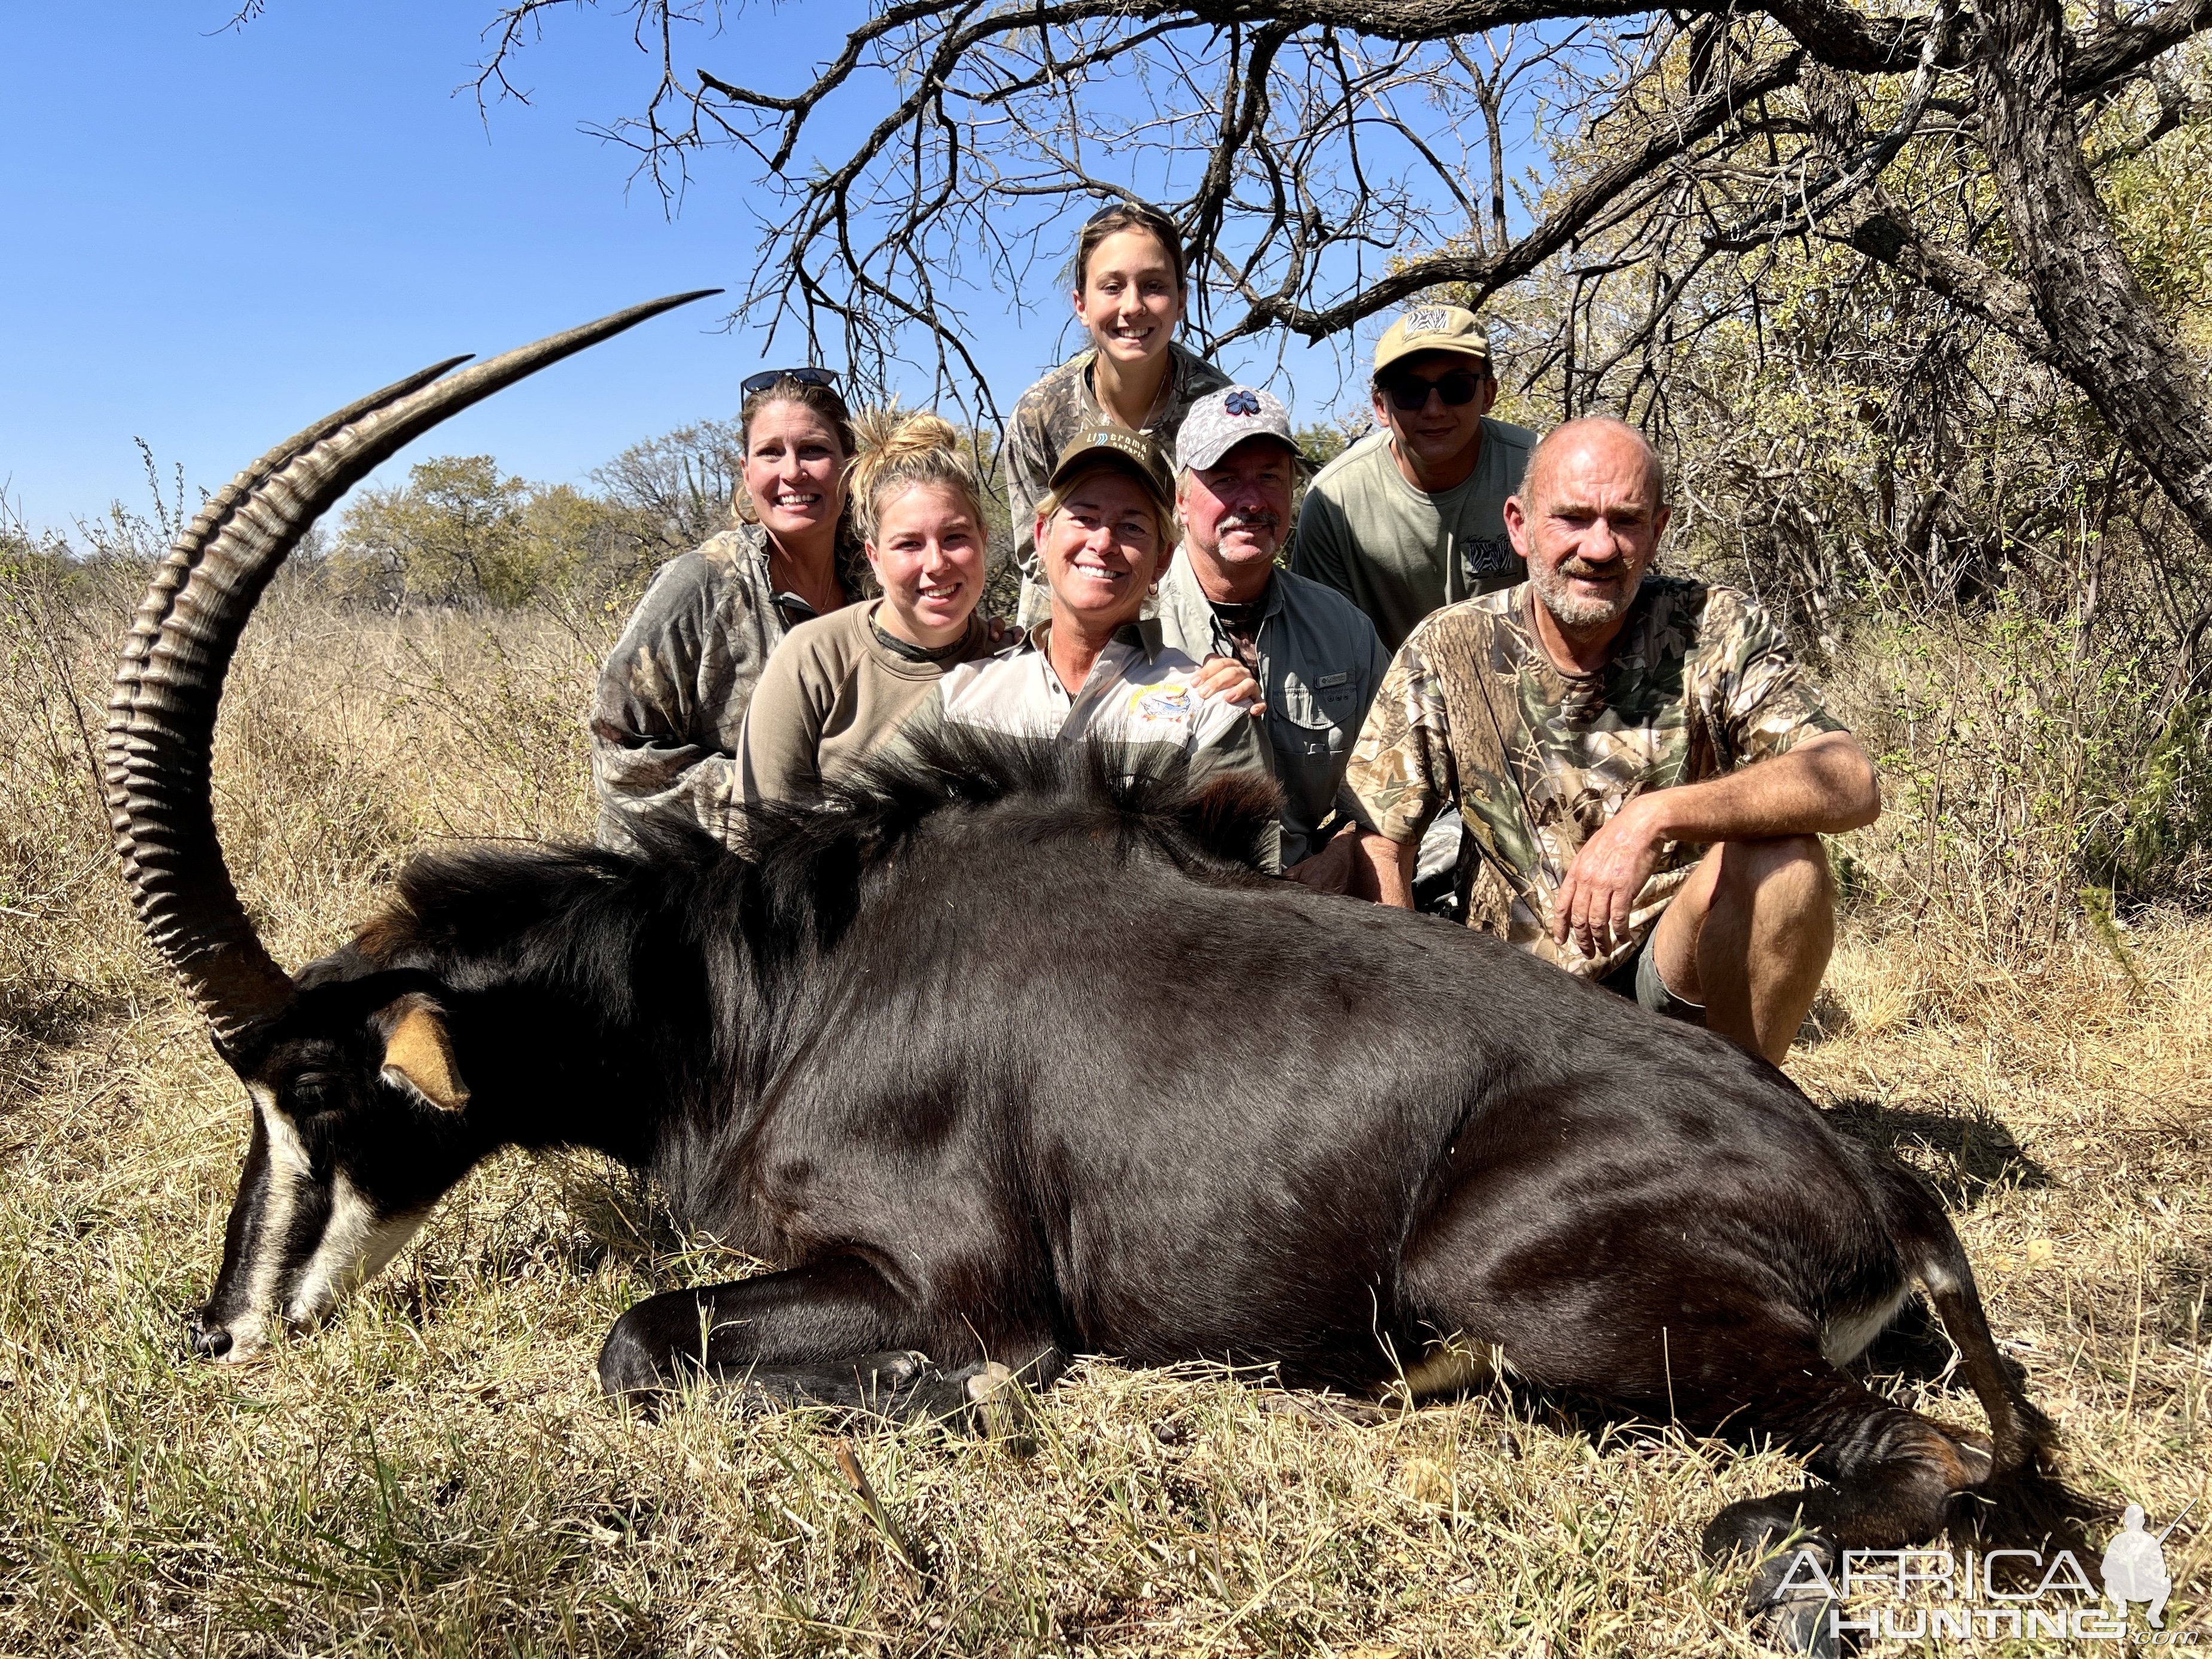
<point x="1410" y="392"/>
<point x="805" y="375"/>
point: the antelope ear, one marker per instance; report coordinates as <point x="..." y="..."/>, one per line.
<point x="419" y="1054"/>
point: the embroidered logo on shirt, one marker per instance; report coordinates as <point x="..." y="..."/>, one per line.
<point x="1161" y="702"/>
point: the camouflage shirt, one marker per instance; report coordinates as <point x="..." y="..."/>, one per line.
<point x="1474" y="713"/>
<point x="672" y="699"/>
<point x="1049" y="415"/>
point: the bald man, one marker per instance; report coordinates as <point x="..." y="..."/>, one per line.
<point x="1642" y="771"/>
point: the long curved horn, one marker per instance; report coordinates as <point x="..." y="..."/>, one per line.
<point x="161" y="717"/>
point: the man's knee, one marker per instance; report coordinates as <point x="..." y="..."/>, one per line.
<point x="1791" y="870"/>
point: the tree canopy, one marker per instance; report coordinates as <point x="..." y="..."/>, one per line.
<point x="1328" y="160"/>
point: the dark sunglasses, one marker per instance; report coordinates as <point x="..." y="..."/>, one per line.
<point x="807" y="375"/>
<point x="1410" y="392"/>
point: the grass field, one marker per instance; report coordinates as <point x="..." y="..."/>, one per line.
<point x="435" y="1473"/>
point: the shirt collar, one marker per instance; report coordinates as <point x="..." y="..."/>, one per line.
<point x="1177" y="389"/>
<point x="1142" y="636"/>
<point x="1180" y="589"/>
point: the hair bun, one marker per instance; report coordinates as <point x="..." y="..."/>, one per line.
<point x="898" y="449"/>
<point x="888" y="434"/>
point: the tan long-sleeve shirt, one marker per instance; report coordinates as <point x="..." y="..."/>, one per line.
<point x="831" y="695"/>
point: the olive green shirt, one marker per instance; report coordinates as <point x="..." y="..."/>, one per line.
<point x="1475" y="713"/>
<point x="831" y="695"/>
<point x="1397" y="552"/>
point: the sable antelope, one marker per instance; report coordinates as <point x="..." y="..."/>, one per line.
<point x="944" y="1049"/>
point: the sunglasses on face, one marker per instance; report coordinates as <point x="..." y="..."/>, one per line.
<point x="1410" y="392"/>
<point x="807" y="375"/>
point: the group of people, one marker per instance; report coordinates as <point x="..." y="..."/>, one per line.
<point x="1459" y="666"/>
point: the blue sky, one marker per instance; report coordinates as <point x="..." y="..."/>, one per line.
<point x="216" y="235"/>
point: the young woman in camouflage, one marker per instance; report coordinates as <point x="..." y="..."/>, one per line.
<point x="1130" y="289"/>
<point x="672" y="699"/>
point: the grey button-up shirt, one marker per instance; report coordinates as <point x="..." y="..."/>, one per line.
<point x="1321" y="664"/>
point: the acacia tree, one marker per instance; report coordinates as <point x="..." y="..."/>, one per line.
<point x="1330" y="159"/>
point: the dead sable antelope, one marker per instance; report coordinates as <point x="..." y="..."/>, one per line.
<point x="1402" y="1153"/>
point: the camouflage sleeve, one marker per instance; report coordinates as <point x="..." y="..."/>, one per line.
<point x="1235" y="744"/>
<point x="1401" y="772"/>
<point x="1321" y="545"/>
<point x="652" y="741"/>
<point x="1765" y="704"/>
<point x="1029" y="464"/>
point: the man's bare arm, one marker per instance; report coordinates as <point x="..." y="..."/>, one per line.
<point x="1823" y="786"/>
<point x="1381" y="874"/>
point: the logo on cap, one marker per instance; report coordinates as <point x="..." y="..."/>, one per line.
<point x="1240" y="402"/>
<point x="1427" y="319"/>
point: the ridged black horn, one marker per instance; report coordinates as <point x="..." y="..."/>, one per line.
<point x="160" y="720"/>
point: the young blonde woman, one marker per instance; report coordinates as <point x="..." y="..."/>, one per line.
<point x="839" y="686"/>
<point x="1130" y="291"/>
<point x="672" y="699"/>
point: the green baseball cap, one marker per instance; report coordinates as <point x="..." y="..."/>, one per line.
<point x="1116" y="446"/>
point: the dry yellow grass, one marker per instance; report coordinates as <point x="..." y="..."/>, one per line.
<point x="434" y="1473"/>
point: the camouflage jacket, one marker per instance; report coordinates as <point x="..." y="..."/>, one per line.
<point x="1049" y="415"/>
<point x="1474" y="713"/>
<point x="672" y="699"/>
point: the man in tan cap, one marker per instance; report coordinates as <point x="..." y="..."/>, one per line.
<point x="1411" y="517"/>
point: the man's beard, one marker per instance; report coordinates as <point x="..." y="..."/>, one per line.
<point x="1264" y="528"/>
<point x="1574" y="610"/>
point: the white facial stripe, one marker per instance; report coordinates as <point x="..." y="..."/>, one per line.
<point x="287" y="1174"/>
<point x="355" y="1247"/>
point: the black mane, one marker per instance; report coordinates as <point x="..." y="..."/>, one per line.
<point x="576" y="911"/>
<point x="1219" y="826"/>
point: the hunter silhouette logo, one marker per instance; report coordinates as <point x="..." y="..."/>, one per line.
<point x="2134" y="1566"/>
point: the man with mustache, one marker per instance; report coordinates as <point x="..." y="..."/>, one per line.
<point x="1316" y="657"/>
<point x="1643" y="772"/>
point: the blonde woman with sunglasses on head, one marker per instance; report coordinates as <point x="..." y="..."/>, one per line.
<point x="672" y="699"/>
